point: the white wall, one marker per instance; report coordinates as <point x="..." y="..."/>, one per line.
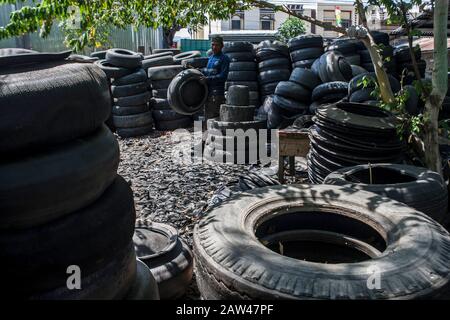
<point x="251" y="19"/>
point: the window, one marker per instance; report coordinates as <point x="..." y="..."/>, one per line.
<point x="296" y="8"/>
<point x="236" y="23"/>
<point x="330" y="17"/>
<point x="373" y="12"/>
<point x="266" y="25"/>
<point x="267" y="18"/>
<point x="373" y="21"/>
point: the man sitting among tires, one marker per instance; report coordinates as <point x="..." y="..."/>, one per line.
<point x="216" y="74"/>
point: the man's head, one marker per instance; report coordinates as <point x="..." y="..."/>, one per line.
<point x="217" y="44"/>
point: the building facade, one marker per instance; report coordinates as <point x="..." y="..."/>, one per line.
<point x="266" y="19"/>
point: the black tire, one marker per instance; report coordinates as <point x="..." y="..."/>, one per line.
<point x="270" y="54"/>
<point x="126" y="111"/>
<point x="99" y="54"/>
<point x="166" y="115"/>
<point x="292" y="90"/>
<point x="58" y="181"/>
<point x="160" y="93"/>
<point x="133" y="121"/>
<point x="240" y="46"/>
<point x="346" y="47"/>
<point x="163" y="72"/>
<point x="362" y="95"/>
<point x="380" y="37"/>
<point x="157" y="62"/>
<point x="305" y="64"/>
<point x="238" y="96"/>
<point x="419" y="188"/>
<point x="354" y="59"/>
<point x="129" y="89"/>
<point x="355" y="83"/>
<point x="145" y="286"/>
<point x="365" y="56"/>
<point x="138" y="76"/>
<point x="198" y="62"/>
<point x="356" y="70"/>
<point x="241" y="56"/>
<point x="158" y="55"/>
<point x="307" y="41"/>
<point x="76" y="103"/>
<point x="187" y="93"/>
<point x="269" y="88"/>
<point x="160" y="84"/>
<point x="275" y="75"/>
<point x="13" y="61"/>
<point x="223" y="271"/>
<point x="276" y="63"/>
<point x="171" y="265"/>
<point x="412" y="103"/>
<point x="124" y="58"/>
<point x="242" y="76"/>
<point x="243" y="66"/>
<point x="111" y="282"/>
<point x="160" y="104"/>
<point x="252" y="85"/>
<point x="290" y="107"/>
<point x="222" y="126"/>
<point x="305" y="54"/>
<point x="303" y="122"/>
<point x="402" y="55"/>
<point x="174" y="124"/>
<point x="186" y="55"/>
<point x="173" y="51"/>
<point x="231" y="113"/>
<point x="106" y="226"/>
<point x="305" y="77"/>
<point x="135" y="132"/>
<point x="337" y="68"/>
<point x="111" y="71"/>
<point x="325" y="89"/>
<point x="14" y="51"/>
<point x="135" y="100"/>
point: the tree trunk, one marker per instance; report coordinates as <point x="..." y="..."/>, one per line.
<point x="169" y="34"/>
<point x="439" y="84"/>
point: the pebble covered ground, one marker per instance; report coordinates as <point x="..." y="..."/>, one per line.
<point x="169" y="191"/>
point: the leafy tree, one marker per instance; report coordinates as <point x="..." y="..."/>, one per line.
<point x="291" y="28"/>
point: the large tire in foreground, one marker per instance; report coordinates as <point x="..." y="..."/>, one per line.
<point x="49" y="104"/>
<point x="45" y="186"/>
<point x="420" y="188"/>
<point x="409" y="250"/>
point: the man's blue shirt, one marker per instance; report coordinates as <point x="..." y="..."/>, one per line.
<point x="216" y="72"/>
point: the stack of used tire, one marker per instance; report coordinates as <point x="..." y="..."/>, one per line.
<point x="404" y="63"/>
<point x="131" y="113"/>
<point x="347" y="134"/>
<point x="292" y="98"/>
<point x="348" y="48"/>
<point x="274" y="66"/>
<point x="362" y="232"/>
<point x="387" y="53"/>
<point x="419" y="188"/>
<point x="305" y="49"/>
<point x="359" y="94"/>
<point x="243" y="69"/>
<point x="166" y="119"/>
<point x="67" y="218"/>
<point x="332" y="66"/>
<point x="168" y="257"/>
<point x="225" y="143"/>
<point x="328" y="93"/>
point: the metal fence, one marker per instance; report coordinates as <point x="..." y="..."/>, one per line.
<point x="128" y="39"/>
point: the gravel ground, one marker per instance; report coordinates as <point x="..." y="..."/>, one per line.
<point x="171" y="192"/>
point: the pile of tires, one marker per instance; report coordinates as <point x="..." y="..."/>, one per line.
<point x="387" y="53"/>
<point x="404" y="64"/>
<point x="327" y="93"/>
<point x="304" y="50"/>
<point x="243" y="69"/>
<point x="131" y="114"/>
<point x="319" y="242"/>
<point x="419" y="188"/>
<point x="332" y="66"/>
<point x="234" y="137"/>
<point x="274" y="66"/>
<point x="169" y="259"/>
<point x="359" y="94"/>
<point x="166" y="119"/>
<point x="292" y="98"/>
<point x="67" y="218"/>
<point x="348" y="48"/>
<point x="348" y="134"/>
